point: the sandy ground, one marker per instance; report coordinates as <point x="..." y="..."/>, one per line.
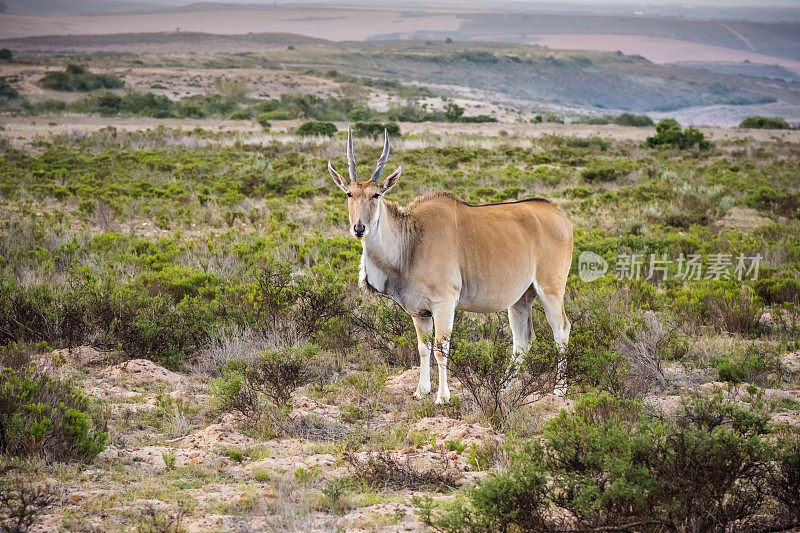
<point x="332" y="24"/>
<point x="659" y="50"/>
<point x="22" y="128"/>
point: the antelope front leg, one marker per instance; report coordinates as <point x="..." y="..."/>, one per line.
<point x="443" y="323"/>
<point x="424" y="327"/>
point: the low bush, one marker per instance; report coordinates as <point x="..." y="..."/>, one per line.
<point x="326" y="129"/>
<point x="263" y="120"/>
<point x="263" y="387"/>
<point x="385" y="470"/>
<point x="778" y="290"/>
<point x="724" y="305"/>
<point x="608" y="465"/>
<point x="76" y="78"/>
<point x="46" y="418"/>
<point x="639" y="121"/>
<point x="7" y="92"/>
<point x="21" y="502"/>
<point x="764" y="123"/>
<point x="601" y="170"/>
<point x="778" y="202"/>
<point x="669" y="133"/>
<point x="375" y="129"/>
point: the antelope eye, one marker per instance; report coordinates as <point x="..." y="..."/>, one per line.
<point x="376" y="196"/>
<point x="349" y="195"/>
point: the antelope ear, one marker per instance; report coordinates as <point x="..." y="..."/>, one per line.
<point x="391" y="180"/>
<point x="337" y="178"/>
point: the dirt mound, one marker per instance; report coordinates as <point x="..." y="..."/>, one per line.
<point x="142" y="371"/>
<point x="303" y="406"/>
<point x="791" y="362"/>
<point x="449" y="429"/>
<point x="404" y="382"/>
<point x="216" y="436"/>
<point x="82" y="355"/>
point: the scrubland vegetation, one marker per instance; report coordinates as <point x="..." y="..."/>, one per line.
<point x="224" y="258"/>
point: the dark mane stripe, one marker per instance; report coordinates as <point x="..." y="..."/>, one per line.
<point x="544" y="200"/>
<point x="422" y="199"/>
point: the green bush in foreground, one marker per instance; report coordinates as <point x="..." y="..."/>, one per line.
<point x="315" y="128"/>
<point x="609" y="465"/>
<point x="76" y="78"/>
<point x="766" y="123"/>
<point x="669" y="133"/>
<point x="45" y="418"/>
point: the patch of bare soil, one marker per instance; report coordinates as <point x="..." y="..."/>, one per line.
<point x="222" y="435"/>
<point x="448" y="429"/>
<point x="404" y="382"/>
<point x="142" y="371"/>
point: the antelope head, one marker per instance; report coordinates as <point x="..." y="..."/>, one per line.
<point x="364" y="197"/>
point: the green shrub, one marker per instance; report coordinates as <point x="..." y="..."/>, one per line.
<point x="778" y="290"/>
<point x="669" y="133"/>
<point x="45" y="418"/>
<point x="724" y="305"/>
<point x="317" y="129"/>
<point x="608" y="465"/>
<point x="764" y="123"/>
<point x="6" y="54"/>
<point x="453" y="112"/>
<point x="248" y="387"/>
<point x="263" y="120"/>
<point x="729" y="371"/>
<point x="784" y="475"/>
<point x="477" y="119"/>
<point x="602" y="170"/>
<point x="782" y="203"/>
<point x="7" y="92"/>
<point x="375" y="129"/>
<point x="76" y="78"/>
<point x="627" y="119"/>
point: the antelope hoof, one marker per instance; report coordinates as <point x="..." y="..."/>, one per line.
<point x="422" y="391"/>
<point x="445" y="398"/>
<point x="560" y="390"/>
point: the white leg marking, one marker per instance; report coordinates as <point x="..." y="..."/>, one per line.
<point x="443" y="393"/>
<point x="424" y="386"/>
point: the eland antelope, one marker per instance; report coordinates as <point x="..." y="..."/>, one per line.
<point x="440" y="254"/>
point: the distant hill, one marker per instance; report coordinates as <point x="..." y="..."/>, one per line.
<point x="78" y="7"/>
<point x="160" y="42"/>
<point x="744" y="68"/>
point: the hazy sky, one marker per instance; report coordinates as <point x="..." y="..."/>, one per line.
<point x="700" y="3"/>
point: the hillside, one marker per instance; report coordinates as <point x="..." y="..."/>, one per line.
<point x="517" y="76"/>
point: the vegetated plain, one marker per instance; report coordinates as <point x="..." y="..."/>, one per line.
<point x="515" y="75"/>
<point x="185" y="345"/>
